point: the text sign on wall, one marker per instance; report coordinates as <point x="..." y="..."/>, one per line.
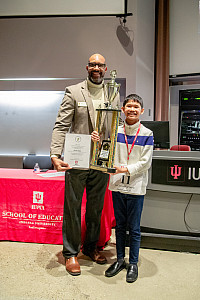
<point x="176" y="172"/>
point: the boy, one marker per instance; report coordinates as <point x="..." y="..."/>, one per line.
<point x="133" y="158"/>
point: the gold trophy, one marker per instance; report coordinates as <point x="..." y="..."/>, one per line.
<point x="103" y="153"/>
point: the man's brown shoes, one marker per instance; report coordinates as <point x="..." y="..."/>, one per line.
<point x="95" y="256"/>
<point x="72" y="266"/>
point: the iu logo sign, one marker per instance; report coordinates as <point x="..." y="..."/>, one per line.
<point x="176" y="171"/>
<point x="38" y="197"/>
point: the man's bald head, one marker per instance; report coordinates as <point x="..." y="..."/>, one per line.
<point x="97" y="57"/>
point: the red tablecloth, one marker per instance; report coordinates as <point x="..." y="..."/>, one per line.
<point x="31" y="208"/>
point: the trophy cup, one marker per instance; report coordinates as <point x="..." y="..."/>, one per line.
<point x="103" y="153"/>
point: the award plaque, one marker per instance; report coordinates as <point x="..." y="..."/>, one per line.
<point x="103" y="153"/>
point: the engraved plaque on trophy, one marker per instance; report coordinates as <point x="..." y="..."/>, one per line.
<point x="104" y="152"/>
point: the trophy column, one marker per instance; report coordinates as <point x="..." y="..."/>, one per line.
<point x="113" y="139"/>
<point x="103" y="157"/>
<point x="96" y="144"/>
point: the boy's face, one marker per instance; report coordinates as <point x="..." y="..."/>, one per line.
<point x="132" y="111"/>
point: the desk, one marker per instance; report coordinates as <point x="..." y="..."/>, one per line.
<point x="31" y="208"/>
<point x="172" y="201"/>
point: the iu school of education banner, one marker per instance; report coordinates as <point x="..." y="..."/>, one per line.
<point x="31" y="210"/>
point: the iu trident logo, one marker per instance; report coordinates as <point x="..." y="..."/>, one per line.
<point x="38" y="197"/>
<point x="176" y="171"/>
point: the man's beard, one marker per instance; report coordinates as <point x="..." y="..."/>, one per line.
<point x="96" y="80"/>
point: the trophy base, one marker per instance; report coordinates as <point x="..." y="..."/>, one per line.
<point x="103" y="169"/>
<point x="111" y="170"/>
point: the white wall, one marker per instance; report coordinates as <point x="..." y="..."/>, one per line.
<point x="60" y="47"/>
<point x="184" y="37"/>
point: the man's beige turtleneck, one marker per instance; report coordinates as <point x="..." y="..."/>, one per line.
<point x="97" y="95"/>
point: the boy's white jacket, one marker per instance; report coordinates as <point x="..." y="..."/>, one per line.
<point x="139" y="160"/>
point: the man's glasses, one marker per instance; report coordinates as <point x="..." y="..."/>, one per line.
<point x="93" y="65"/>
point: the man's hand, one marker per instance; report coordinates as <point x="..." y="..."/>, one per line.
<point x="60" y="165"/>
<point x="95" y="136"/>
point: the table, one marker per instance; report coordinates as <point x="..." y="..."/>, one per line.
<point x="31" y="208"/>
<point x="172" y="201"/>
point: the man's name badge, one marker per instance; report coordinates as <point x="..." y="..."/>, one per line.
<point x="82" y="104"/>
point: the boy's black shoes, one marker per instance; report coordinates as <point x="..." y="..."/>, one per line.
<point x="132" y="273"/>
<point x="115" y="268"/>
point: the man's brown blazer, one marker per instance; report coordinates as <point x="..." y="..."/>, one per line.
<point x="76" y="115"/>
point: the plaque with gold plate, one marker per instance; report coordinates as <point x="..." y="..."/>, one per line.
<point x="103" y="154"/>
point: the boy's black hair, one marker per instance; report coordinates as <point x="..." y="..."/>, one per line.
<point x="134" y="97"/>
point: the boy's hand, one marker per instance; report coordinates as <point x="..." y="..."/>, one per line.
<point x="119" y="170"/>
<point x="95" y="136"/>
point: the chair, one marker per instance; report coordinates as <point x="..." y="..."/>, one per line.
<point x="43" y="161"/>
<point x="180" y="148"/>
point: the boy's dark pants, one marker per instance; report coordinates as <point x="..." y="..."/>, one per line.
<point x="128" y="211"/>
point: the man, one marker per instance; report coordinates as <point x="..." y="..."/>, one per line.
<point x="78" y="113"/>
